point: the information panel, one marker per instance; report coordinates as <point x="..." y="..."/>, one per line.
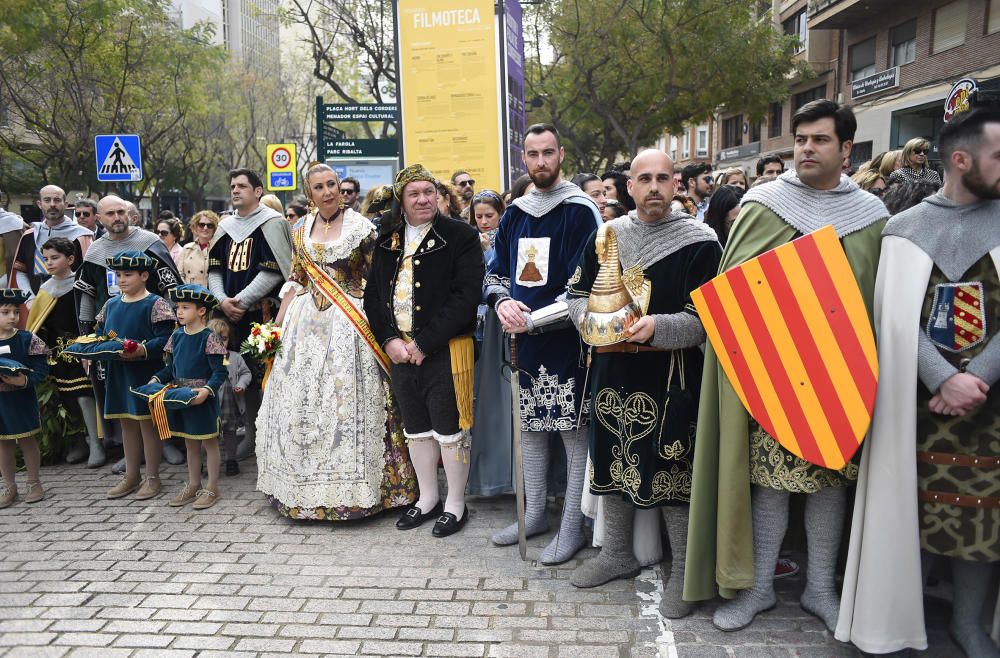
<point x="449" y="89"/>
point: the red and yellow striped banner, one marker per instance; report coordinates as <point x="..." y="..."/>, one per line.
<point x="792" y="334"/>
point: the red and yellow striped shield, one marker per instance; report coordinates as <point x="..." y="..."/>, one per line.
<point x="791" y="332"/>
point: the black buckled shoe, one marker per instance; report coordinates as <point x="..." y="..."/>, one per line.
<point x="447" y="524"/>
<point x="414" y="518"/>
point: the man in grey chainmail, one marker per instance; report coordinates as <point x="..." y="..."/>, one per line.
<point x="735" y="539"/>
<point x="653" y="376"/>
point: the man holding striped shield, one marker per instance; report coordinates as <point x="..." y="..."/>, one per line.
<point x="743" y="473"/>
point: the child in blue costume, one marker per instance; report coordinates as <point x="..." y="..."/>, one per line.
<point x="19" y="419"/>
<point x="135" y="315"/>
<point x="196" y="359"/>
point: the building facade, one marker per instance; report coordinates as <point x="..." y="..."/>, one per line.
<point x="901" y="60"/>
<point x="893" y="62"/>
<point x="248" y="28"/>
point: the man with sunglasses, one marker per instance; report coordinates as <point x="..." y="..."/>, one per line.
<point x="697" y="180"/>
<point x="350" y="190"/>
<point x="465" y="185"/>
<point x="85" y="213"/>
<point x="29" y="268"/>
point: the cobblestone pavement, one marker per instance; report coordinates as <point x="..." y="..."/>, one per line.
<point x="82" y="575"/>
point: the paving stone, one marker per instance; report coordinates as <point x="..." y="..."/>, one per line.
<point x="86" y="576"/>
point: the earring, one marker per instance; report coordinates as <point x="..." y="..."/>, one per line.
<point x="341" y="204"/>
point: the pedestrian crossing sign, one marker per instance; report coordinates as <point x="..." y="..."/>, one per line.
<point x="119" y="158"/>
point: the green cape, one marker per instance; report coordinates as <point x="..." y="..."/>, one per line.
<point x="720" y="532"/>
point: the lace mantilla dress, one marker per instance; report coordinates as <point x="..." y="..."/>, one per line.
<point x="329" y="438"/>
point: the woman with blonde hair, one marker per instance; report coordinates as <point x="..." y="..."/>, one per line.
<point x="330" y="440"/>
<point x="889" y="163"/>
<point x="733" y="176"/>
<point x="870" y="180"/>
<point x="193" y="261"/>
<point x="914" y="161"/>
<point x="273" y="203"/>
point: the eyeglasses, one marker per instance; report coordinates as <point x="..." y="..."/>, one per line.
<point x="466" y="183"/>
<point x="82" y="214"/>
<point x="348" y="190"/>
<point x="708" y="179"/>
<point x="203" y="225"/>
<point x="163" y="233"/>
<point x="291" y="215"/>
<point x="919" y="151"/>
<point x="877" y="191"/>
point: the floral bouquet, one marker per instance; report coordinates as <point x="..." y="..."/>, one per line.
<point x="264" y="341"/>
<point x="264" y="344"/>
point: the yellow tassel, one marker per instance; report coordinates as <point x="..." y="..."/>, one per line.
<point x="463" y="358"/>
<point x="159" y="412"/>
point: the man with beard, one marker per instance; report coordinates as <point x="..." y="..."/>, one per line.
<point x="96" y="283"/>
<point x="251" y="258"/>
<point x="29" y="266"/>
<point x="465" y="185"/>
<point x="930" y="466"/>
<point x="734" y="538"/>
<point x="665" y="256"/>
<point x="538" y="246"/>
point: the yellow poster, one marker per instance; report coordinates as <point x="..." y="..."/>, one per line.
<point x="449" y="91"/>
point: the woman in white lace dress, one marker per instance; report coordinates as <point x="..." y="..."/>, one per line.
<point x="329" y="438"/>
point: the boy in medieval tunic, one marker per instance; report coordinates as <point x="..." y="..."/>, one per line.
<point x="23" y="365"/>
<point x="53" y="317"/>
<point x="143" y="322"/>
<point x="735" y="533"/>
<point x="195" y="360"/>
<point x="931" y="469"/>
<point x="652" y="377"/>
<point x="541" y="237"/>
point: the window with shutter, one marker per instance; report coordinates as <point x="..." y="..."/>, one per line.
<point x="903" y="41"/>
<point x="993" y="17"/>
<point x="949" y="25"/>
<point x="863" y="59"/>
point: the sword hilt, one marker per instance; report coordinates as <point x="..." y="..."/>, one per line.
<point x="513" y="351"/>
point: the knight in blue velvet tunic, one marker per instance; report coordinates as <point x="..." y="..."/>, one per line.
<point x="195" y="360"/>
<point x="148" y="321"/>
<point x="537" y="247"/>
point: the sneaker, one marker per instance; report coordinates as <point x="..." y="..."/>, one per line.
<point x="206" y="498"/>
<point x="149" y="489"/>
<point x="232" y="467"/>
<point x="35" y="492"/>
<point x="8" y="493"/>
<point x="785" y="568"/>
<point x="187" y="494"/>
<point x="124" y="488"/>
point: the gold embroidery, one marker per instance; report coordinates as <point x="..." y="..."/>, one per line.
<point x="239" y="255"/>
<point x="631" y="420"/>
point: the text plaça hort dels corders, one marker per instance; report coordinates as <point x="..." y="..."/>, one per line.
<point x="447" y="18"/>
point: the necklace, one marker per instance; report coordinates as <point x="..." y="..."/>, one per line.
<point x="327" y="222"/>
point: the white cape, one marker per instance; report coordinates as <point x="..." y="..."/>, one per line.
<point x="881" y="608"/>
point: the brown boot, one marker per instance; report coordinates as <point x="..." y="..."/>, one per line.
<point x="35" y="492"/>
<point x="206" y="498"/>
<point x="124" y="488"/>
<point x="8" y="493"/>
<point x="150" y="488"/>
<point x="187" y="494"/>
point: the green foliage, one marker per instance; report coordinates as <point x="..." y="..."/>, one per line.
<point x="58" y="425"/>
<point x="71" y="69"/>
<point x="612" y="74"/>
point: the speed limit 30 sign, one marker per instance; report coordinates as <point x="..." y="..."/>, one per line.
<point x="281" y="167"/>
